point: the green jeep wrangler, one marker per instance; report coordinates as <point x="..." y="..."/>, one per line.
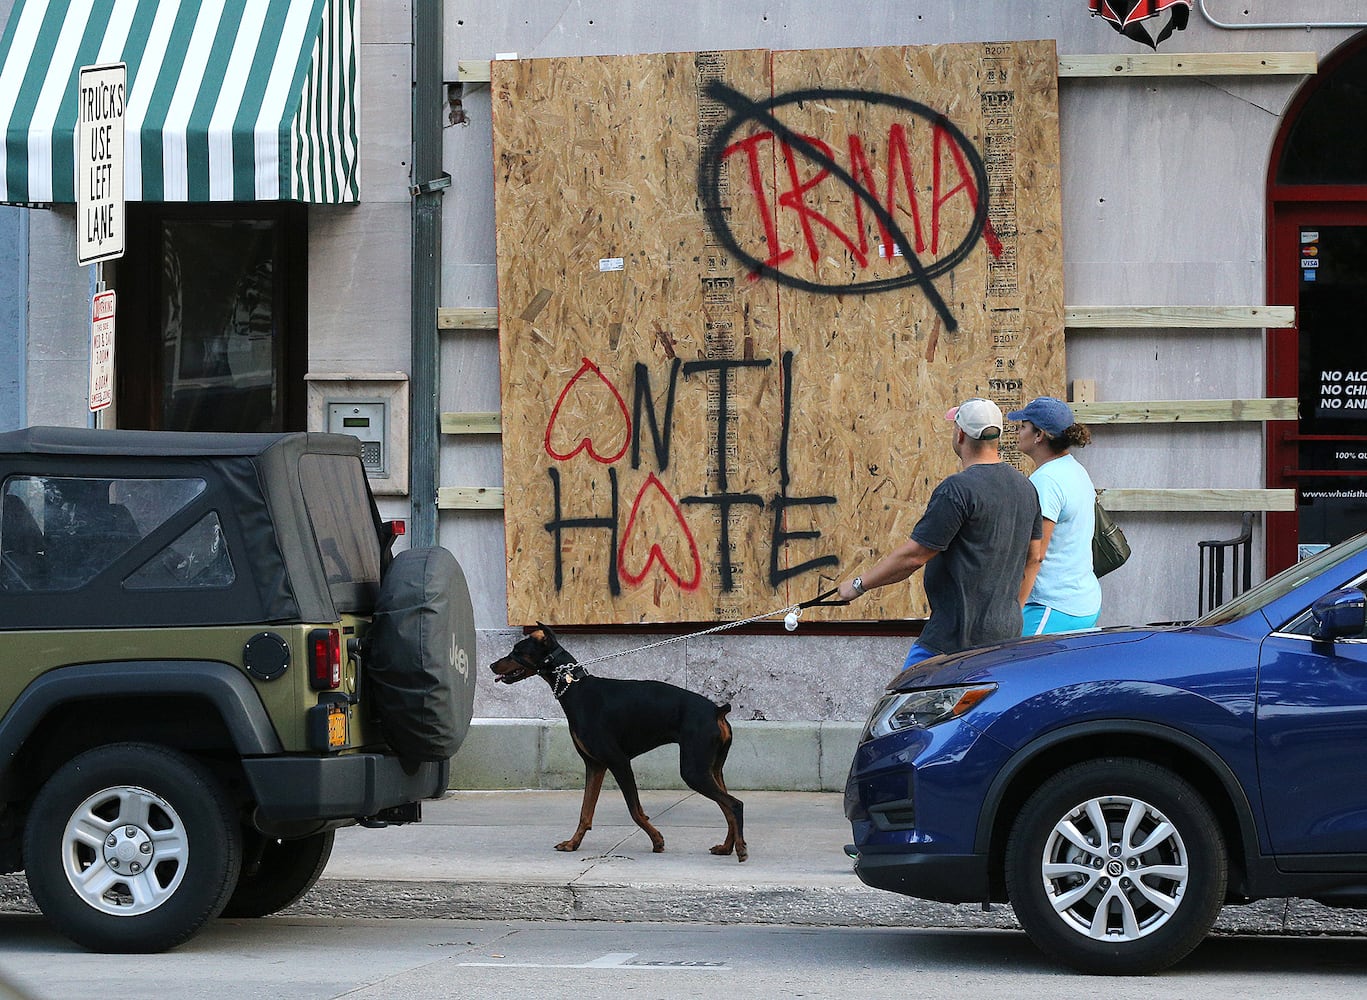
<point x="209" y="661"/>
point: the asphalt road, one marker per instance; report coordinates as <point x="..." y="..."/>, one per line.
<point x="293" y="958"/>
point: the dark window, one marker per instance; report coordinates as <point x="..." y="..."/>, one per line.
<point x="1322" y="146"/>
<point x="59" y="533"/>
<point x="216" y="335"/>
<point x="198" y="559"/>
<point x="339" y="507"/>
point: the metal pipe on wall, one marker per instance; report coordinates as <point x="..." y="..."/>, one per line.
<point x="428" y="182"/>
<point x="1231" y="26"/>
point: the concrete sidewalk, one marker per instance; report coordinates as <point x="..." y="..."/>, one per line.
<point x="490" y="855"/>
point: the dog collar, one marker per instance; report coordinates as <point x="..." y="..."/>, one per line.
<point x="565" y="675"/>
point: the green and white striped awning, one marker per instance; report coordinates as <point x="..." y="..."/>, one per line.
<point x="228" y="100"/>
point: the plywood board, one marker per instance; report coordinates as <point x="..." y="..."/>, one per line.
<point x="719" y="396"/>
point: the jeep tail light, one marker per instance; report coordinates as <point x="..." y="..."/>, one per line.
<point x="397" y="528"/>
<point x="325" y="659"/>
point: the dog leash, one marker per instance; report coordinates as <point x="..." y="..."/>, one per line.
<point x="791" y="613"/>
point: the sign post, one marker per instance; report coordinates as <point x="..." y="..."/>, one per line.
<point x="100" y="99"/>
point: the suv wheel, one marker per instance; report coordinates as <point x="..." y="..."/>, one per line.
<point x="277" y="873"/>
<point x="131" y="848"/>
<point x="1116" y="866"/>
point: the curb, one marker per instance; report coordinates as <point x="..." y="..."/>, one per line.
<point x="793" y="905"/>
<point x="798" y="905"/>
<point x="663" y="902"/>
<point x="765" y="756"/>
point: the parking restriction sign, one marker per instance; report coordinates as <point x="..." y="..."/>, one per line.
<point x="101" y="351"/>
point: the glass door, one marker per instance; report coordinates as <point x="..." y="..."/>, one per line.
<point x="1319" y="266"/>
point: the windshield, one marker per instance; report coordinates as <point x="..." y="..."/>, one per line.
<point x="1284" y="582"/>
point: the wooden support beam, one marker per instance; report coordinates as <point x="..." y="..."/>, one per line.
<point x="1074" y="317"/>
<point x="471" y="423"/>
<point x="1104" y="66"/>
<point x="1198" y="500"/>
<point x="467" y="318"/>
<point x="1185" y="411"/>
<point x="1178" y="317"/>
<point x="473" y="71"/>
<point x="1189" y="64"/>
<point x="1162" y="500"/>
<point x="470" y="498"/>
<point x="1162" y="411"/>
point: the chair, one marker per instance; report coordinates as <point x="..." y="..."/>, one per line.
<point x="1234" y="553"/>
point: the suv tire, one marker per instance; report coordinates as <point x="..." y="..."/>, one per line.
<point x="131" y="847"/>
<point x="1116" y="866"/>
<point x="277" y="873"/>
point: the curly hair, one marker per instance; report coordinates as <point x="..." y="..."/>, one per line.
<point x="1076" y="436"/>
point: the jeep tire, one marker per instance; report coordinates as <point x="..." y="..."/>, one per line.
<point x="276" y="873"/>
<point x="131" y="847"/>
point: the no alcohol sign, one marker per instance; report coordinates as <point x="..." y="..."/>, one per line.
<point x="99" y="163"/>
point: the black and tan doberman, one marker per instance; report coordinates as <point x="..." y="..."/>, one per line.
<point x="612" y="721"/>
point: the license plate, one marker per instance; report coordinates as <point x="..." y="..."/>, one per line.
<point x="336" y="726"/>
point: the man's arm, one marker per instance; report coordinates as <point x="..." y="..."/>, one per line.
<point x="894" y="567"/>
<point x="1035" y="558"/>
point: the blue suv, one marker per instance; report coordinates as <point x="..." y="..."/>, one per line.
<point x="1119" y="786"/>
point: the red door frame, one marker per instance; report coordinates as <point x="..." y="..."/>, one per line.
<point x="1288" y="206"/>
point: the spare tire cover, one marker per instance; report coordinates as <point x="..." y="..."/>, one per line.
<point x="420" y="655"/>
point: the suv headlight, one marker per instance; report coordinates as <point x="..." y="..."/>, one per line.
<point x="927" y="708"/>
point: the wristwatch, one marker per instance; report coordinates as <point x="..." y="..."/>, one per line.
<point x="857" y="585"/>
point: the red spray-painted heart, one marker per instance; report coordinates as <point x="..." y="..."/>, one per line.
<point x="585" y="408"/>
<point x="656" y="554"/>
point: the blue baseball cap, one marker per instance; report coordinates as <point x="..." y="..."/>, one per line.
<point x="1053" y="416"/>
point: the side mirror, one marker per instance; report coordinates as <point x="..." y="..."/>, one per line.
<point x="1338" y="614"/>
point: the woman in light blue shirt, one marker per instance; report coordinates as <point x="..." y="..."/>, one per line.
<point x="1059" y="593"/>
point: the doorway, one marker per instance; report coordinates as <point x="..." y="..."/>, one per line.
<point x="217" y="333"/>
<point x="1317" y="262"/>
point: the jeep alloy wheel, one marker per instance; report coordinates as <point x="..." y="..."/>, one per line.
<point x="1116" y="866"/>
<point x="131" y="848"/>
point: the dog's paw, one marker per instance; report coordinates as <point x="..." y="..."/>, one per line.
<point x="722" y="849"/>
<point x="741" y="852"/>
<point x="658" y="847"/>
<point x="567" y="845"/>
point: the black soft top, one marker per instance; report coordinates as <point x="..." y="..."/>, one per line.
<point x="86" y="441"/>
<point x="285" y="572"/>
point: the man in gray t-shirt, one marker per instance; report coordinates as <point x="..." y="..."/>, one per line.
<point x="973" y="540"/>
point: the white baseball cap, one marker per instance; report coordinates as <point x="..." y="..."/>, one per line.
<point x="980" y="419"/>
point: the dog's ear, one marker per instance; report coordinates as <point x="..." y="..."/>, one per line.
<point x="548" y="636"/>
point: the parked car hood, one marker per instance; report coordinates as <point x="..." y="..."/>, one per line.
<point x="978" y="662"/>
